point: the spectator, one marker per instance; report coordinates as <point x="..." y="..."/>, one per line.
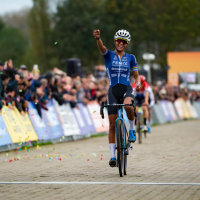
<point x="80" y="95"/>
<point x="1" y="66"/>
<point x="19" y="86"/>
<point x="1" y="97"/>
<point x="4" y="82"/>
<point x="10" y="99"/>
<point x="100" y="72"/>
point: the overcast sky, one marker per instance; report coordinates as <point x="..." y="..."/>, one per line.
<point x="13" y="5"/>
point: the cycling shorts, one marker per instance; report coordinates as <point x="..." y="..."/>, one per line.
<point x="116" y="95"/>
<point x="139" y="101"/>
<point x="149" y="101"/>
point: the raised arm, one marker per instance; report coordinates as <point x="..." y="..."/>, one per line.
<point x="137" y="81"/>
<point x="102" y="48"/>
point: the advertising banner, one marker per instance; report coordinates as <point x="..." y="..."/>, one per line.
<point x="28" y="127"/>
<point x="191" y="110"/>
<point x="178" y="106"/>
<point x="101" y="125"/>
<point x="196" y="106"/>
<point x="67" y="119"/>
<point x="173" y="78"/>
<point x="186" y="114"/>
<point x="171" y="110"/>
<point x="194" y="111"/>
<point x="14" y="127"/>
<point x="191" y="77"/>
<point x="84" y="119"/>
<point x="52" y="120"/>
<point x="40" y="125"/>
<point x="4" y="134"/>
<point x="166" y="110"/>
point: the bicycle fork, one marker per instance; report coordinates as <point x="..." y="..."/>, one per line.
<point x="123" y="129"/>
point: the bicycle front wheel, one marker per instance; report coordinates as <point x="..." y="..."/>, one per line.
<point x="120" y="149"/>
<point x="125" y="156"/>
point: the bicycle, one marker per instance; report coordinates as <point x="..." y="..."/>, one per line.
<point x="121" y="136"/>
<point x="139" y="122"/>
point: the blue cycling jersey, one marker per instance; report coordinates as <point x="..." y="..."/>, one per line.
<point x="118" y="70"/>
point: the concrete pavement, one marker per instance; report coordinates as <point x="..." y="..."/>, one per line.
<point x="170" y="154"/>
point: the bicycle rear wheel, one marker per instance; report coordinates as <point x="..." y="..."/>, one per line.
<point x="139" y="132"/>
<point x="145" y="134"/>
<point x="120" y="149"/>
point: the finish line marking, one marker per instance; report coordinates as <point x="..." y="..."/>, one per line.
<point x="99" y="183"/>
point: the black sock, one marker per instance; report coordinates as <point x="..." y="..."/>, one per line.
<point x="145" y="121"/>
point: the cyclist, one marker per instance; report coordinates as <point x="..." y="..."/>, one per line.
<point x="151" y="104"/>
<point x="118" y="67"/>
<point x="142" y="98"/>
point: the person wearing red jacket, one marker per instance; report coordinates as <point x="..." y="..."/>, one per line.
<point x="142" y="99"/>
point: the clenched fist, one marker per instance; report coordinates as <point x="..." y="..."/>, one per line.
<point x="138" y="87"/>
<point x="96" y="33"/>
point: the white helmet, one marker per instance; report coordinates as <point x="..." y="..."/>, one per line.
<point x="123" y="34"/>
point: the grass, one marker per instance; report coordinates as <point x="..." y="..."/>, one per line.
<point x="99" y="135"/>
<point x="34" y="143"/>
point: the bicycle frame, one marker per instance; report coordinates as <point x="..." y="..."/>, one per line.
<point x="140" y="112"/>
<point x="123" y="148"/>
<point x="120" y="117"/>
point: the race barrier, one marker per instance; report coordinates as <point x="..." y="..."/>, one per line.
<point x="63" y="123"/>
<point x="56" y="124"/>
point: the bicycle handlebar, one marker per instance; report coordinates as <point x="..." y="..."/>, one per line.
<point x="113" y="105"/>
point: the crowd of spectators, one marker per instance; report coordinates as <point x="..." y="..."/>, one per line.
<point x="18" y="87"/>
<point x="163" y="91"/>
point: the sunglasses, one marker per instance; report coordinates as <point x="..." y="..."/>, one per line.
<point x="121" y="40"/>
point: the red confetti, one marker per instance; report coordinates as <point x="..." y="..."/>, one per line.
<point x="191" y="155"/>
<point x="46" y="131"/>
<point x="10" y="160"/>
<point x="59" y="159"/>
<point x="102" y="125"/>
<point x="88" y="159"/>
<point x="101" y="155"/>
<point x="163" y="157"/>
<point x="101" y="159"/>
<point x="15" y="159"/>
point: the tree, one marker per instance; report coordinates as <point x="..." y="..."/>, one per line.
<point x="129" y="15"/>
<point x="40" y="35"/>
<point x="18" y="20"/>
<point x="175" y="26"/>
<point x="2" y="25"/>
<point x="75" y="22"/>
<point x="13" y="45"/>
